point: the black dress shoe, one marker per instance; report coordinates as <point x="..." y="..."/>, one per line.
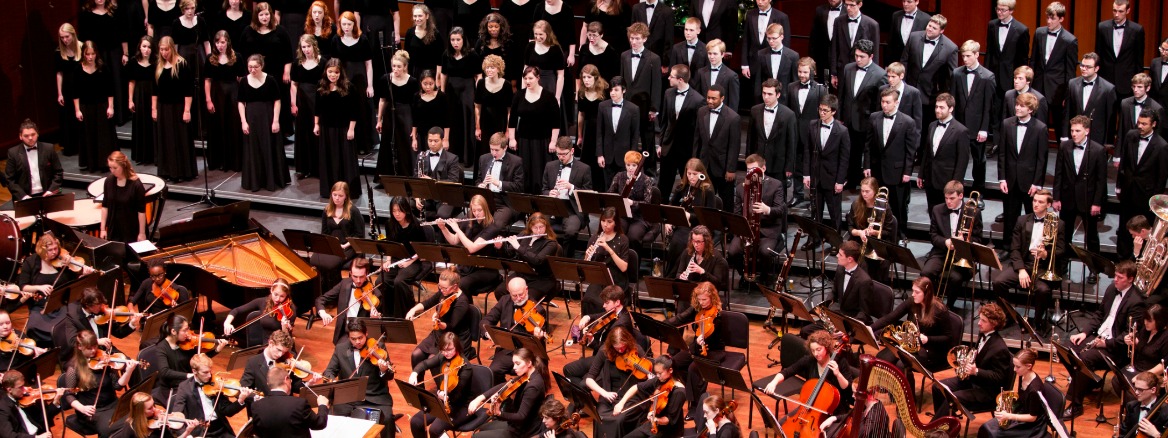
<point x="1000" y="218"/>
<point x="981" y="205"/>
<point x="1093" y="278"/>
<point x="1072" y="412"/>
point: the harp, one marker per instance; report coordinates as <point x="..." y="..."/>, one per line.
<point x="878" y="374"/>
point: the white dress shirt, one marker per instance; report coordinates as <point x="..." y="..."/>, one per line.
<point x="635" y="60"/>
<point x="824" y="133"/>
<point x="1022" y="132"/>
<point x="768" y="119"/>
<point x="617" y="107"/>
<point x="714" y="69"/>
<point x="939" y="133"/>
<point x="714" y="117"/>
<point x="832" y="15"/>
<point x="1105" y="328"/>
<point x="1002" y="32"/>
<point x="1143" y="147"/>
<point x="803" y="94"/>
<point x="776" y="61"/>
<point x="906" y="26"/>
<point x="860" y="74"/>
<point x="888" y="126"/>
<point x="1117" y="37"/>
<point x="1077" y="152"/>
<point x="679" y="100"/>
<point x="34" y="170"/>
<point x="649" y="12"/>
<point x="1087" y="89"/>
<point x="707" y="11"/>
<point x="853" y="26"/>
<point x="1051" y="37"/>
<point x="496" y="170"/>
<point x="927" y="48"/>
<point x="764" y="20"/>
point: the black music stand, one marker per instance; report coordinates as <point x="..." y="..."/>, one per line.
<point x="239" y="357"/>
<point x="72" y="289"/>
<point x="382" y="248"/>
<point x="502" y="338"/>
<point x="122" y="409"/>
<point x="665" y="289"/>
<point x="469" y="192"/>
<point x="659" y="330"/>
<point x="531" y="343"/>
<point x="819" y="233"/>
<point x="436" y="253"/>
<point x="1096" y="263"/>
<point x="1075" y="365"/>
<point x="1119" y="378"/>
<point x="338" y="392"/>
<point x="1028" y="332"/>
<point x="594" y="202"/>
<point x="40" y="206"/>
<point x="153" y="323"/>
<point x="856" y="329"/>
<point x="547" y="205"/>
<point x="423" y="400"/>
<point x="713" y="372"/>
<point x="914" y="365"/>
<point x="408" y="187"/>
<point x="44" y="365"/>
<point x="580" y="271"/>
<point x="789" y="304"/>
<point x="896" y="254"/>
<point x="450" y="193"/>
<point x="579" y="396"/>
<point x="770" y="424"/>
<point x="665" y="215"/>
<point x="954" y="403"/>
<point x="396" y="331"/>
<point x="725" y="222"/>
<point x="310" y="242"/>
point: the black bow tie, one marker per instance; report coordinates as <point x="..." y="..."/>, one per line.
<point x="853" y="20"/>
<point x="769" y="110"/>
<point x="1121" y="26"/>
<point x="777" y="52"/>
<point x="1021" y="123"/>
<point x="1088" y="83"/>
<point x="691" y="46"/>
<point x="909" y="17"/>
<point x="943" y="124"/>
<point x="864" y="69"/>
<point x="1148" y="138"/>
<point x="1053" y="34"/>
<point x="28" y="149"/>
<point x="835" y="9"/>
<point x="618" y="105"/>
<point x="763" y="14"/>
<point x="889" y="117"/>
<point x="933" y="42"/>
<point x="714" y="111"/>
<point x="954" y="211"/>
<point x="636" y="55"/>
<point x="498" y="161"/>
<point x="1145" y="408"/>
<point x="1003" y="24"/>
<point x="90" y="315"/>
<point x="650" y="6"/>
<point x="1162" y="62"/>
<point x="1138" y="103"/>
<point x="805" y="85"/>
<point x="433" y="154"/>
<point x="969" y="71"/>
<point x="682" y="93"/>
<point x="1081" y="147"/>
<point x="715" y="69"/>
<point x="848" y="273"/>
<point x="821" y="125"/>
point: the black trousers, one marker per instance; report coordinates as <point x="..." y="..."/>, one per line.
<point x="1017" y="201"/>
<point x="956" y="283"/>
<point x="1040" y="294"/>
<point x="977" y="153"/>
<point x="898" y="196"/>
<point x="1093" y="358"/>
<point x="973" y="398"/>
<point x="932" y="196"/>
<point x="834" y="211"/>
<point x="1090" y="226"/>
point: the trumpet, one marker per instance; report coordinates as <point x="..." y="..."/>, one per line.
<point x="1131" y="349"/>
<point x="449" y="221"/>
<point x="876" y="218"/>
<point x="685" y="275"/>
<point x="1049" y="235"/>
<point x="961" y="359"/>
<point x="964" y="232"/>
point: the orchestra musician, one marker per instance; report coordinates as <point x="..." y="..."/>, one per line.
<point x="457" y="396"/>
<point x="700" y="262"/>
<point x="344" y="297"/>
<point x="18" y="422"/>
<point x="641" y="192"/>
<point x="856" y="298"/>
<point x="1028" y="416"/>
<point x="860" y="228"/>
<point x="440" y="165"/>
<point x="704" y="317"/>
<point x="693" y="190"/>
<point x="17" y="357"/>
<point x="83" y="314"/>
<point x="534" y="251"/>
<point x="173" y="353"/>
<point x="148" y="297"/>
<point x="282" y="414"/>
<point x="405" y="229"/>
<point x="875" y="419"/>
<point x="473" y="236"/>
<point x="1026" y="245"/>
<point x="561" y="178"/>
<point x="1138" y="413"/>
<point x="518" y="301"/>
<point x="889" y="152"/>
<point x="191" y="400"/>
<point x="96" y="395"/>
<point x="719" y="420"/>
<point x="554" y="416"/>
<point x="26" y="180"/>
<point x="145" y="420"/>
<point x="501" y="173"/>
<point x="276" y="312"/>
<point x="1148" y="341"/>
<point x="944" y="220"/>
<point x="944" y="151"/>
<point x="610" y="246"/>
<point x="354" y="358"/>
<point x="39" y="274"/>
<point x="771" y="209"/>
<point x="279" y="350"/>
<point x="667" y="407"/>
<point x="989" y="372"/>
<point x="933" y="322"/>
<point x="611" y="373"/>
<point x="1143" y="171"/>
<point x="515" y="415"/>
<point x="342" y="220"/>
<point x="614" y="315"/>
<point x="820" y="363"/>
<point x="451" y="309"/>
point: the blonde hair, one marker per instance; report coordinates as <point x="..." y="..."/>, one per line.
<point x="176" y="60"/>
<point x="403" y="56"/>
<point x="311" y="40"/>
<point x="330" y="209"/>
<point x="137" y="418"/>
<point x="970" y="46"/>
<point x="431" y="27"/>
<point x="546" y="28"/>
<point x="494" y="61"/>
<point x="480" y="201"/>
<point x="716" y="44"/>
<point x="69" y="29"/>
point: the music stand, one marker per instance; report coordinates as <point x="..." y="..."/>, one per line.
<point x="437" y="253"/>
<point x="769" y="422"/>
<point x="1119" y="378"/>
<point x="154" y="322"/>
<point x="502" y="338"/>
<point x="60" y="294"/>
<point x="122" y="409"/>
<point x="894" y="253"/>
<point x="239" y="357"/>
<point x="954" y="403"/>
<point x="914" y="365"/>
<point x="790" y="304"/>
<point x="664" y="214"/>
<point x="1097" y="264"/>
<point x="547" y="205"/>
<point x="409" y="187"/>
<point x="40" y="206"/>
<point x="858" y="330"/>
<point x="1054" y="420"/>
<point x="338" y="392"/>
<point x="713" y="372"/>
<point x="978" y="254"/>
<point x="594" y="202"/>
<point x="817" y="232"/>
<point x="300" y="240"/>
<point x="536" y="346"/>
<point x="396" y="331"/>
<point x="1028" y="332"/>
<point x="383" y="248"/>
<point x="44" y="365"/>
<point x="660" y="331"/>
<point x="665" y="289"/>
<point x="725" y="222"/>
<point x="423" y="400"/>
<point x="580" y="397"/>
<point x="580" y="271"/>
<point x="451" y="193"/>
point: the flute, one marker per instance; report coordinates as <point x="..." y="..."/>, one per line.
<point x="449" y="221"/>
<point x="504" y="239"/>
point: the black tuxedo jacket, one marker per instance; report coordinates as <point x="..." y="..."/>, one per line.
<point x="857" y="300"/>
<point x="287" y="416"/>
<point x="342" y="366"/>
<point x="1051" y="75"/>
<point x="502" y="315"/>
<point x="762" y="68"/>
<point x="449" y="167"/>
<point x="940" y="230"/>
<point x="341" y="296"/>
<point x="934" y="76"/>
<point x="891" y="159"/>
<point x="580" y="176"/>
<point x="773" y="196"/>
<point x="17" y="170"/>
<point x="1100" y="108"/>
<point x="1139" y="179"/>
<point x="751" y="43"/>
<point x="1127" y="116"/>
<point x="994" y="366"/>
<point x="1131" y="414"/>
<point x="1012" y="96"/>
<point x="1025" y="168"/>
<point x="1159" y="86"/>
<point x="974" y="104"/>
<point x="719" y="149"/>
<point x="187" y="400"/>
<point x="647" y="82"/>
<point x="727" y="78"/>
<point x="76" y="321"/>
<point x="832" y="165"/>
<point x="1132" y="305"/>
<point x="896" y="39"/>
<point x="779" y="147"/>
<point x="1079" y="189"/>
<point x="677" y="123"/>
<point x="911" y="102"/>
<point x="511" y="175"/>
<point x="10" y="421"/>
<point x="1119" y="69"/>
<point x="723" y="23"/>
<point x="613" y="145"/>
<point x="1002" y="60"/>
<point x="950" y="160"/>
<point x="1020" y="256"/>
<point x="679" y="53"/>
<point x="660" y="29"/>
<point x="255" y="375"/>
<point x="809" y="112"/>
<point x="842" y="41"/>
<point x="820" y="41"/>
<point x="855" y="107"/>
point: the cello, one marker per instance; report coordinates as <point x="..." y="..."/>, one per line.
<point x="804" y="422"/>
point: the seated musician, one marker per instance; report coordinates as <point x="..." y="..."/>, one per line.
<point x="1140" y="230"/>
<point x="554" y="416"/>
<point x="511" y="313"/>
<point x="1026" y="245"/>
<point x="708" y="343"/>
<point x="667" y="406"/>
<point x="278" y="351"/>
<point x="596" y="327"/>
<point x="561" y="178"/>
<point x="404" y="229"/>
<point x="451" y="310"/>
<point x="149" y="296"/>
<point x="173" y="353"/>
<point x="641" y="192"/>
<point x="720" y="421"/>
<point x="610" y="374"/>
<point x="343" y="296"/>
<point x="276" y="312"/>
<point x="1103" y="335"/>
<point x="875" y="419"/>
<point x="932" y="320"/>
<point x="977" y="386"/>
<point x="347" y="363"/>
<point x="694" y="190"/>
<point x="860" y="229"/>
<point x="1137" y="414"/>
<point x="192" y="400"/>
<point x="440" y="165"/>
<point x="283" y="414"/>
<point x="516" y="414"/>
<point x="145" y="421"/>
<point x="944" y="220"/>
<point x="19" y="422"/>
<point x="84" y="315"/>
<point x="96" y="383"/>
<point x="772" y="213"/>
<point x="700" y="262"/>
<point x="342" y="220"/>
<point x="610" y="246"/>
<point x="1029" y="414"/>
<point x="534" y="251"/>
<point x="473" y="236"/>
<point x="501" y="173"/>
<point x="1149" y="340"/>
<point x="820" y="364"/>
<point x="456" y="395"/>
<point x="18" y="357"/>
<point x="856" y="299"/>
<point x="39" y="274"/>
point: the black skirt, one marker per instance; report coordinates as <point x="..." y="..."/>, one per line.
<point x="174" y="151"/>
<point x="460" y="93"/>
<point x="224" y="147"/>
<point x="364" y="136"/>
<point x="400" y="149"/>
<point x="338" y="161"/>
<point x="304" y="153"/>
<point x="263" y="151"/>
<point x="98" y="138"/>
<point x="142" y="126"/>
<point x="534" y="152"/>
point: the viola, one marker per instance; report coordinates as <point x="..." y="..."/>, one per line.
<point x="20" y="344"/>
<point x="572" y="422"/>
<point x="528" y="317"/>
<point x="506" y="392"/>
<point x="229" y="387"/>
<point x="165" y="293"/>
<point x="283" y="311"/>
<point x="365" y="296"/>
<point x="64" y="260"/>
<point x="823" y="398"/>
<point x="302" y="369"/>
<point x="375" y="353"/>
<point x="120" y="314"/>
<point x="46" y="393"/>
<point x="632" y="362"/>
<point x="450" y="378"/>
<point x="205" y="341"/>
<point x="730" y="407"/>
<point x="117" y="361"/>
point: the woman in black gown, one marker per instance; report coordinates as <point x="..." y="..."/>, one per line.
<point x="519" y="15"/>
<point x="473" y="236"/>
<point x="320" y="27"/>
<point x="395" y="94"/>
<point x="263" y="150"/>
<point x="102" y="22"/>
<point x="613" y="16"/>
<point x="356" y="53"/>
<point x="174" y="149"/>
<point x="468" y="15"/>
<point x="493" y="98"/>
<point x="266" y="38"/>
<point x="306" y="75"/>
<point x="37" y="279"/>
<point x="545" y="53"/>
<point x="610" y="246"/>
<point x="234" y="18"/>
<point x="160" y="16"/>
<point x="558" y="15"/>
<point x="457" y="74"/>
<point x="140" y="73"/>
<point x="423" y="41"/>
<point x="123" y="206"/>
<point x="342" y="220"/>
<point x="430" y="110"/>
<point x="67" y="58"/>
<point x="535" y="138"/>
<point x="224" y="146"/>
<point x="600" y="53"/>
<point x="94" y="103"/>
<point x="191" y="34"/>
<point x="335" y="125"/>
<point x="593" y="89"/>
<point x="495" y="39"/>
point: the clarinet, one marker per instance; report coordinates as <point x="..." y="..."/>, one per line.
<point x="421" y="161"/>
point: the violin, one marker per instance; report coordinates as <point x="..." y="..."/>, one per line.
<point x="506" y="392"/>
<point x="20" y="344"/>
<point x="170" y="423"/>
<point x="302" y="369"/>
<point x="705" y="328"/>
<point x="572" y="422"/>
<point x="818" y="396"/>
<point x="661" y="400"/>
<point x="730" y="407"/>
<point x="365" y="296"/>
<point x="117" y="361"/>
<point x="375" y="353"/>
<point x="589" y="332"/>
<point x="72" y="263"/>
<point x="45" y="393"/>
<point x="283" y="311"/>
<point x="120" y="314"/>
<point x="223" y="385"/>
<point x="205" y="341"/>
<point x="450" y="378"/>
<point x="632" y="362"/>
<point x="529" y="318"/>
<point x="165" y="293"/>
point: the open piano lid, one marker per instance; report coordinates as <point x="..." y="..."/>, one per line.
<point x="208" y="224"/>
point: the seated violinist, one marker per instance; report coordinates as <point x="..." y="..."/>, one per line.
<point x="205" y="390"/>
<point x="623" y="363"/>
<point x="705" y="319"/>
<point x="97" y="376"/>
<point x="372" y="361"/>
<point x="534" y="251"/>
<point x="719" y="418"/>
<point x="91" y="313"/>
<point x="39" y="274"/>
<point x="1138" y="413"/>
<point x="978" y="384"/>
<point x="821" y="364"/>
<point x="276" y="355"/>
<point x="11" y="356"/>
<point x="452" y="386"/>
<point x="1028" y="416"/>
<point x="593" y="330"/>
<point x="353" y="297"/>
<point x="157" y="293"/>
<point x="699" y="262"/>
<point x="17" y="421"/>
<point x="515" y="312"/>
<point x="514" y="404"/>
<point x="450" y="309"/>
<point x="173" y="353"/>
<point x="665" y="396"/>
<point x="145" y="421"/>
<point x="274" y="313"/>
<point x="556" y="422"/>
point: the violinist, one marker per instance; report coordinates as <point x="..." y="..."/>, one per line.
<point x="448" y="310"/>
<point x="452" y="386"/>
<point x="1027" y="416"/>
<point x="96" y="397"/>
<point x="611" y="247"/>
<point x="990" y="372"/>
<point x="820" y="364"/>
<point x="720" y="421"/>
<point x="354" y="297"/>
<point x="157" y="293"/>
<point x="88" y="313"/>
<point x="705" y="319"/>
<point x="666" y="398"/>
<point x="145" y="421"/>
<point x="17" y="422"/>
<point x="694" y="190"/>
<point x="354" y="358"/>
<point x="699" y="262"/>
<point x="172" y="356"/>
<point x="39" y="274"/>
<point x="282" y="414"/>
<point x="641" y="192"/>
<point x="771" y="210"/>
<point x="534" y="252"/>
<point x="1138" y="413"/>
<point x="515" y="402"/>
<point x="255" y="373"/>
<point x="192" y="399"/>
<point x="473" y="236"/>
<point x="594" y="329"/>
<point x="556" y="421"/>
<point x="514" y="312"/>
<point x="277" y="312"/>
<point x="9" y="336"/>
<point x="932" y="319"/>
<point x="622" y="365"/>
<point x="860" y="230"/>
<point x="404" y="229"/>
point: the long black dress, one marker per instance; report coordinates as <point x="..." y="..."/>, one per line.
<point x="305" y="152"/>
<point x="67" y="136"/>
<point x="123" y="203"/>
<point x="533" y="123"/>
<point x="468" y="17"/>
<point x="354" y="58"/>
<point x="493" y="109"/>
<point x="98" y="138"/>
<point x="423" y="56"/>
<point x="549" y="63"/>
<point x="396" y="120"/>
<point x="189" y="41"/>
<point x="174" y="150"/>
<point x="263" y="151"/>
<point x="142" y="126"/>
<point x="588" y="149"/>
<point x="338" y="154"/>
<point x="161" y="20"/>
<point x="607" y="62"/>
<point x="234" y="28"/>
<point x="277" y="51"/>
<point x="224" y="146"/>
<point x="107" y="31"/>
<point x="428" y="114"/>
<point x="520" y="19"/>
<point x="460" y="88"/>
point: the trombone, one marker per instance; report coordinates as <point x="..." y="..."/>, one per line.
<point x="1050" y="225"/>
<point x="964" y="231"/>
<point x="877" y="215"/>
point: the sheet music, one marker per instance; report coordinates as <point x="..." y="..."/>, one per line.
<point x="344" y="426"/>
<point x="1053" y="418"/>
<point x="143" y="246"/>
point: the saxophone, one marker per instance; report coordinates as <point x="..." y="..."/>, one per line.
<point x="961" y="359"/>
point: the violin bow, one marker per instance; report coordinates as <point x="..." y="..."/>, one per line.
<point x="292" y="367"/>
<point x="363" y="359"/>
<point x="166" y="412"/>
<point x="350" y="306"/>
<point x="66" y="266"/>
<point x="199" y="341"/>
<point x="110" y="329"/>
<point x="44" y="413"/>
<point x="527" y="314"/>
<point x="22" y="334"/>
<point x="168" y="287"/>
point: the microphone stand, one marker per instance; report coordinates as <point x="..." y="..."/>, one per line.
<point x="374" y="226"/>
<point x="208" y="197"/>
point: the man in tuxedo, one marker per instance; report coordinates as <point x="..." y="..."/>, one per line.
<point x="191" y="402"/>
<point x="658" y="17"/>
<point x="857" y="299"/>
<point x="991" y="371"/>
<point x="823" y="33"/>
<point x="774" y="61"/>
<point x="255" y="372"/>
<point x="690" y="52"/>
<point x="929" y="59"/>
<point x="944" y="219"/>
<point x="1080" y="183"/>
<point x="803" y="97"/>
<point x="1143" y="172"/>
<point x="771" y="132"/>
<point x="825" y="163"/>
<point x="1159" y="75"/>
<point x="945" y="152"/>
<point x="859" y="88"/>
<point x="561" y="178"/>
<point x="909" y="99"/>
<point x="501" y="172"/>
<point x="1053" y="58"/>
<point x="281" y="413"/>
<point x="717" y="73"/>
<point x="34" y="169"/>
<point x="639" y="69"/>
<point x="1094" y="97"/>
<point x="756" y="37"/>
<point x="1022" y="157"/>
<point x="1131" y="108"/>
<point x="1103" y="334"/>
<point x="677" y="121"/>
<point x="719" y="19"/>
<point x="1119" y="42"/>
<point x="772" y="212"/>
<point x="341" y="295"/>
<point x="853" y="28"/>
<point x="890" y="151"/>
<point x="973" y="87"/>
<point x="1025" y="247"/>
<point x="82" y="314"/>
<point x="1023" y="77"/>
<point x="347" y="363"/>
<point x="904" y="22"/>
<point x="502" y="315"/>
<point x="441" y="165"/>
<point x="618" y="128"/>
<point x="716" y="136"/>
<point x="1137" y="414"/>
<point x="1007" y="48"/>
<point x="14" y="420"/>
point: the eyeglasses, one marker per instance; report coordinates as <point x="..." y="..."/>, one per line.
<point x="1139" y="390"/>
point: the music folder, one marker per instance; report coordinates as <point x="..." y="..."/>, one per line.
<point x="1073" y="363"/>
<point x="580" y="271"/>
<point x="383" y="248"/>
<point x="855" y="328"/>
<point x="338" y="392"/>
<point x="664" y="214"/>
<point x="396" y="331"/>
<point x="670" y="289"/>
<point x="409" y="187"/>
<point x="42" y="205"/>
<point x="421" y="399"/>
<point x="300" y="240"/>
<point x="69" y="291"/>
<point x="239" y="357"/>
<point x="153" y="323"/>
<point x="660" y="331"/>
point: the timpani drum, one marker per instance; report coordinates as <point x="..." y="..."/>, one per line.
<point x="155" y="194"/>
<point x="85" y="217"/>
<point x="10" y="247"/>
